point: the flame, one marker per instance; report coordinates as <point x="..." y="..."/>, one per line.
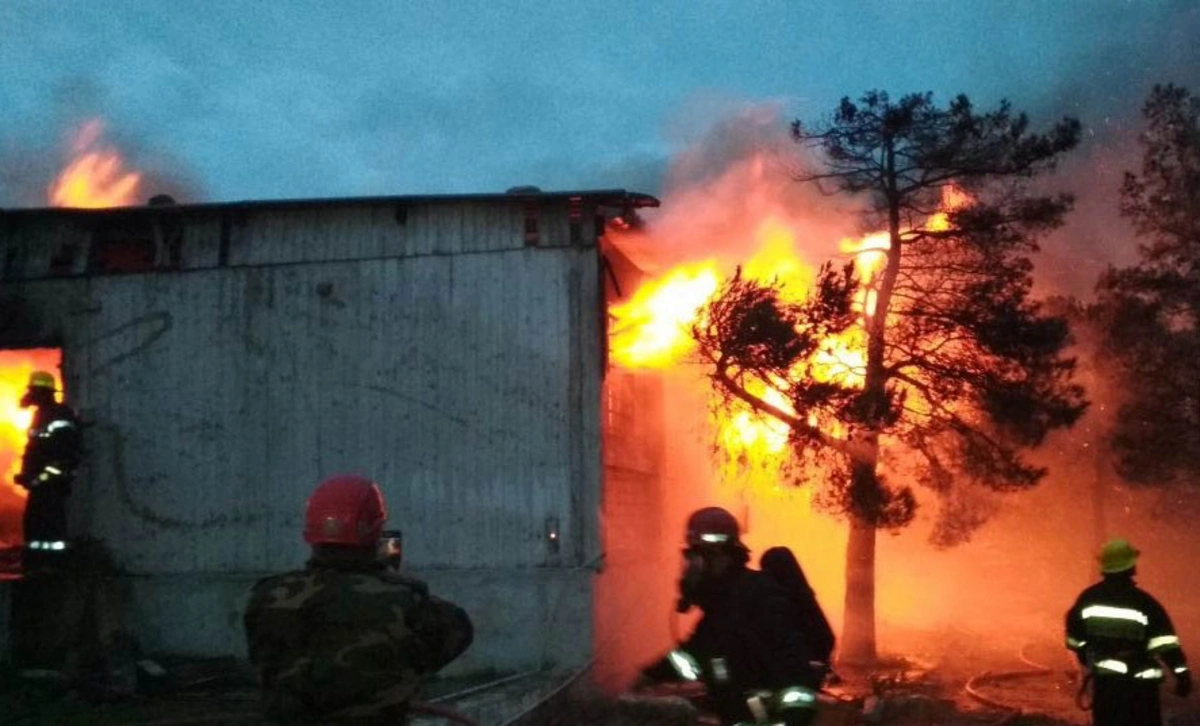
<point x="96" y="176"/>
<point x="777" y="259"/>
<point x="652" y="329"/>
<point x="742" y="216"/>
<point x="760" y="438"/>
<point x="869" y="254"/>
<point x="15" y="367"/>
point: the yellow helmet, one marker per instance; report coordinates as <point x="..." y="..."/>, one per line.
<point x="42" y="379"/>
<point x="1117" y="555"/>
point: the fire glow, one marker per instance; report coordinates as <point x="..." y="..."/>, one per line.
<point x="652" y="330"/>
<point x="96" y="176"/>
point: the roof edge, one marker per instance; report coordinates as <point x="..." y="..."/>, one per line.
<point x="604" y="197"/>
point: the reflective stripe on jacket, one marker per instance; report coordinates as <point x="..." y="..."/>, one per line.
<point x="1119" y="630"/>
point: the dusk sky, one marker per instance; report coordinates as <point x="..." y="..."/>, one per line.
<point x="237" y="100"/>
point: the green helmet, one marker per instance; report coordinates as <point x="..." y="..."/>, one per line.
<point x="42" y="379"/>
<point x="1117" y="555"/>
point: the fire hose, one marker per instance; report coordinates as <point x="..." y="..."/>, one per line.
<point x="972" y="686"/>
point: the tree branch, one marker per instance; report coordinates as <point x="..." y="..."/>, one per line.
<point x="846" y="447"/>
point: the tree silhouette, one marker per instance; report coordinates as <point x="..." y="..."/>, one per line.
<point x="958" y="370"/>
<point x="1150" y="312"/>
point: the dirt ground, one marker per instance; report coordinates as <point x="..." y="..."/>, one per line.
<point x="964" y="684"/>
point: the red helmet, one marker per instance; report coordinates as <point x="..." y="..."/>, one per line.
<point x="345" y="510"/>
<point x="712" y="526"/>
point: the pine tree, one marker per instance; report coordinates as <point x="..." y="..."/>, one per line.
<point x="961" y="370"/>
<point x="1150" y="312"/>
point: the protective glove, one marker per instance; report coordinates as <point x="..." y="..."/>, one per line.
<point x="1183" y="684"/>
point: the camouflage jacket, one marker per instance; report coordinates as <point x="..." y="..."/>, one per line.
<point x="348" y="643"/>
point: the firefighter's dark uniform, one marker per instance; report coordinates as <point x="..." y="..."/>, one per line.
<point x="1124" y="637"/>
<point x="747" y="642"/>
<point x="782" y="566"/>
<point x="48" y="466"/>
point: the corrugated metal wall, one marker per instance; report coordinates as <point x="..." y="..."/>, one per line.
<point x="426" y="346"/>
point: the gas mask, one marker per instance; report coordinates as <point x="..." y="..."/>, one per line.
<point x="693" y="580"/>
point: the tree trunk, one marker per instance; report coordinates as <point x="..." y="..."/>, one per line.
<point x="858" y="628"/>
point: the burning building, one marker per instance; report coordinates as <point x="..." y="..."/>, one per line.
<point x="514" y="369"/>
<point x="226" y="357"/>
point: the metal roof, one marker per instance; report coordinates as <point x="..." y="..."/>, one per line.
<point x="605" y="197"/>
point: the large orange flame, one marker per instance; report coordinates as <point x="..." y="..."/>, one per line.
<point x="96" y="176"/>
<point x="652" y="329"/>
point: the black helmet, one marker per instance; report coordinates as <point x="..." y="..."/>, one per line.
<point x="712" y="526"/>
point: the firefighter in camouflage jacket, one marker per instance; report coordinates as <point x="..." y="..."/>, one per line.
<point x="347" y="640"/>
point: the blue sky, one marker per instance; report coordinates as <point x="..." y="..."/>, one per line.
<point x="240" y="100"/>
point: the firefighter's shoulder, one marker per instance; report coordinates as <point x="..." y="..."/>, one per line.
<point x="62" y="413"/>
<point x="1095" y="592"/>
<point x="761" y="584"/>
<point x="1150" y="604"/>
<point x="287" y="590"/>
<point x="400" y="589"/>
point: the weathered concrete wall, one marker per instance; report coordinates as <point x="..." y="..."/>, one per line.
<point x="439" y="354"/>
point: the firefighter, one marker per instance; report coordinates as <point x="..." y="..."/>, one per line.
<point x="347" y="639"/>
<point x="746" y="648"/>
<point x="781" y="564"/>
<point x="52" y="454"/>
<point x="1123" y="637"/>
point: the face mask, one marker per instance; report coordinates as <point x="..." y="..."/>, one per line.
<point x="695" y="583"/>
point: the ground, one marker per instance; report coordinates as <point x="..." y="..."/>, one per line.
<point x="965" y="684"/>
<point x="220" y="692"/>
